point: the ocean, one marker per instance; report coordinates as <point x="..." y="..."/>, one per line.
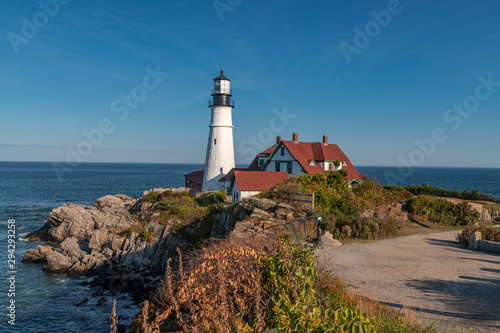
<point x="30" y="190"/>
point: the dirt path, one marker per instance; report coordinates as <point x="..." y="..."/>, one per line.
<point x="440" y="280"/>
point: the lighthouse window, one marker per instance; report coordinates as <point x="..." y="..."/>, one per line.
<point x="215" y="142"/>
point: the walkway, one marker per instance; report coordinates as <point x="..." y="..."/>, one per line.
<point x="430" y="273"/>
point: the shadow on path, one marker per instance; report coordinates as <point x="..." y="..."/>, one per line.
<point x="469" y="297"/>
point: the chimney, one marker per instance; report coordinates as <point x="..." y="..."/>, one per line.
<point x="295" y="137"/>
<point x="325" y="139"/>
<point x="278" y="139"/>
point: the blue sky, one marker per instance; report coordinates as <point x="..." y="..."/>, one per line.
<point x="283" y="57"/>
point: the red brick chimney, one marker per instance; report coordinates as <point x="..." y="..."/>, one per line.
<point x="278" y="139"/>
<point x="295" y="137"/>
<point x="325" y="139"/>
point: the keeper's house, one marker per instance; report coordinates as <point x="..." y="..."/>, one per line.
<point x="280" y="161"/>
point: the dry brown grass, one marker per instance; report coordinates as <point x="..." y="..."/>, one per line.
<point x="114" y="319"/>
<point x="219" y="290"/>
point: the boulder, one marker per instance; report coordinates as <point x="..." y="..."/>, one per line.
<point x="107" y="252"/>
<point x="98" y="239"/>
<point x="57" y="263"/>
<point x="328" y="240"/>
<point x="116" y="243"/>
<point x="258" y="213"/>
<point x="474" y="240"/>
<point x="250" y="203"/>
<point x="70" y="221"/>
<point x="284" y="214"/>
<point x="115" y="204"/>
<point x="73" y="248"/>
<point x="36" y="255"/>
<point x="79" y="221"/>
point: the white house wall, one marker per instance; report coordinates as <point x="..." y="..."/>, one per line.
<point x="296" y="167"/>
<point x="287" y="157"/>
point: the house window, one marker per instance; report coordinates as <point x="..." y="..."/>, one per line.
<point x="199" y="182"/>
<point x="190" y="182"/>
<point x="289" y="167"/>
<point x="277" y="166"/>
<point x="282" y="151"/>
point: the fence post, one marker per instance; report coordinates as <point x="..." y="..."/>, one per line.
<point x="313" y="202"/>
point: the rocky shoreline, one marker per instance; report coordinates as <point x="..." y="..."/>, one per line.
<point x="100" y="240"/>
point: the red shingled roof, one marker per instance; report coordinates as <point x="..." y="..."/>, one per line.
<point x="247" y="180"/>
<point x="196" y="174"/>
<point x="230" y="175"/>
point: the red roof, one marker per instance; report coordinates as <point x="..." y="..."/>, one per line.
<point x="196" y="174"/>
<point x="230" y="175"/>
<point x="257" y="180"/>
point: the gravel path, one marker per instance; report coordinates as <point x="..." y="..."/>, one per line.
<point x="443" y="282"/>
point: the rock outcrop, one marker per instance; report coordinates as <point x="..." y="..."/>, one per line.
<point x="395" y="211"/>
<point x="99" y="240"/>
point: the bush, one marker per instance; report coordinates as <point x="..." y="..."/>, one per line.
<point x="146" y="236"/>
<point x="436" y="210"/>
<point x="218" y="290"/>
<point x="435" y="191"/>
<point x="242" y="286"/>
<point x="290" y="276"/>
<point x="151" y="197"/>
<point x="488" y="233"/>
<point x="212" y="198"/>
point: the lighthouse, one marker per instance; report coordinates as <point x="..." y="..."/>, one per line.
<point x="220" y="151"/>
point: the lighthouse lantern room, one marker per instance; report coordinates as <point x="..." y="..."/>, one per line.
<point x="220" y="150"/>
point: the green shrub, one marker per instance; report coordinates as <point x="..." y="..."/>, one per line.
<point x="151" y="197"/>
<point x="487" y="232"/>
<point x="436" y="210"/>
<point x="290" y="277"/>
<point x="212" y="198"/>
<point x="435" y="191"/>
<point x="146" y="236"/>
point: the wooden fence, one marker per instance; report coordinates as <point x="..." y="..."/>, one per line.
<point x="302" y="198"/>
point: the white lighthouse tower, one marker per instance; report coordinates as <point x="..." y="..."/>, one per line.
<point x="220" y="151"/>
